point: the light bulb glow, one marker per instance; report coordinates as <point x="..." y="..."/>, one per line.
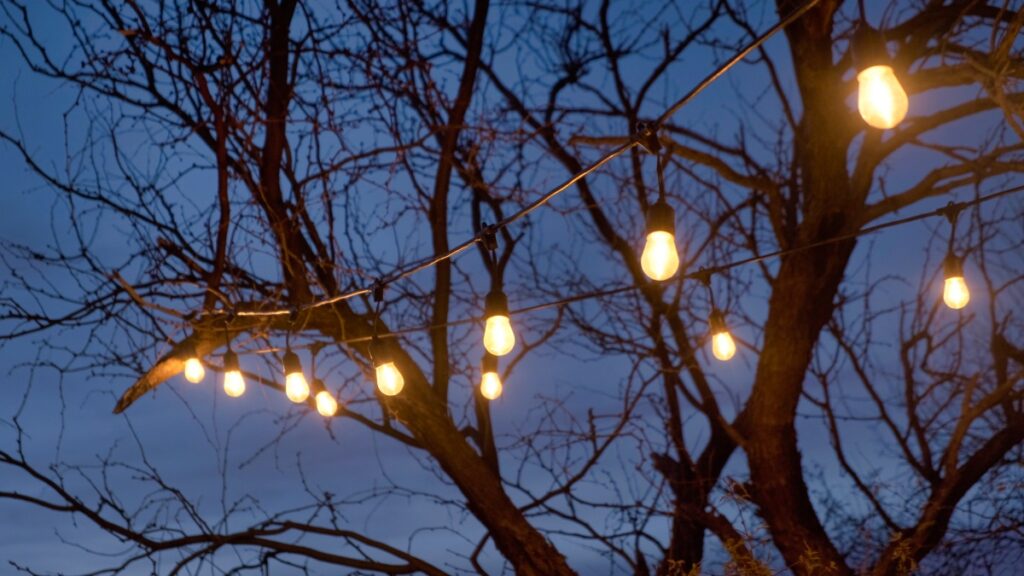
<point x="490" y="385"/>
<point x="660" y="260"/>
<point x="389" y="379"/>
<point x="234" y="384"/>
<point x="326" y="405"/>
<point x="498" y="336"/>
<point x="296" y="387"/>
<point x="881" y="100"/>
<point x="723" y="346"/>
<point x="955" y="293"/>
<point x="194" y="371"/>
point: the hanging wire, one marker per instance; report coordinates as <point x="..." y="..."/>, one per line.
<point x="702" y="275"/>
<point x="426" y="263"/>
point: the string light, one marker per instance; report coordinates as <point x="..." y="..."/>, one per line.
<point x="389" y="378"/>
<point x="722" y="345"/>
<point x="884" y="99"/>
<point x="499" y="339"/>
<point x="295" y="385"/>
<point x="326" y="405"/>
<point x="234" y="383"/>
<point x="660" y="259"/>
<point x="881" y="100"/>
<point x="955" y="293"/>
<point x="490" y="381"/>
<point x="194" y="371"/>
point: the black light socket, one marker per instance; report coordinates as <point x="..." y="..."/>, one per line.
<point x="379" y="353"/>
<point x="231" y="362"/>
<point x="661" y="218"/>
<point x="496" y="304"/>
<point x="291" y="363"/>
<point x="489" y="363"/>
<point x="953" y="266"/>
<point x="717" y="321"/>
<point x="869" y="49"/>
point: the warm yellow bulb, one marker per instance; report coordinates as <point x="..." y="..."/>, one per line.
<point x="194" y="371"/>
<point x="234" y="384"/>
<point x="490" y="385"/>
<point x="660" y="260"/>
<point x="296" y="387"/>
<point x="723" y="346"/>
<point x="881" y="100"/>
<point x="326" y="405"/>
<point x="389" y="380"/>
<point x="955" y="293"/>
<point x="498" y="336"/>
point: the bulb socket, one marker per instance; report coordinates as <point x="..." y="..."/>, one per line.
<point x="317" y="386"/>
<point x="379" y="353"/>
<point x="868" y="46"/>
<point x="189" y="351"/>
<point x="661" y="218"/>
<point x="291" y="363"/>
<point x="489" y="363"/>
<point x="496" y="304"/>
<point x="953" y="266"/>
<point x="231" y="362"/>
<point x="716" y="322"/>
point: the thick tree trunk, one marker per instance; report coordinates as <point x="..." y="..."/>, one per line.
<point x="800" y="306"/>
<point x="520" y="543"/>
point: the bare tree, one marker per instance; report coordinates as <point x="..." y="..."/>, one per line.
<point x="344" y="142"/>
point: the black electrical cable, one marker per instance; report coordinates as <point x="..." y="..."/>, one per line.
<point x="523" y="212"/>
<point x="703" y="274"/>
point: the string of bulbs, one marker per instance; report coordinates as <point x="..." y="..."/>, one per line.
<point x="882" y="103"/>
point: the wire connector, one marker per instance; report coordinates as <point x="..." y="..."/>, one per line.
<point x="647" y="136"/>
<point x="951" y="211"/>
<point x="378" y="291"/>
<point x="489" y="236"/>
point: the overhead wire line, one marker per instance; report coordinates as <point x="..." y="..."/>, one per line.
<point x="644" y="131"/>
<point x="699" y="274"/>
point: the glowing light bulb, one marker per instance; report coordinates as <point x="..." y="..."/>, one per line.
<point x="326" y="405"/>
<point x="881" y="100"/>
<point x="660" y="259"/>
<point x="498" y="336"/>
<point x="955" y="293"/>
<point x="194" y="371"/>
<point x="389" y="379"/>
<point x="295" y="385"/>
<point x="490" y="385"/>
<point x="722" y="345"/>
<point x="490" y="381"/>
<point x="234" y="384"/>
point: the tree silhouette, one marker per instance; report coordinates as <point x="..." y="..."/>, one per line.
<point x="257" y="157"/>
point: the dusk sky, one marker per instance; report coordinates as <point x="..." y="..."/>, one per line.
<point x="260" y="448"/>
